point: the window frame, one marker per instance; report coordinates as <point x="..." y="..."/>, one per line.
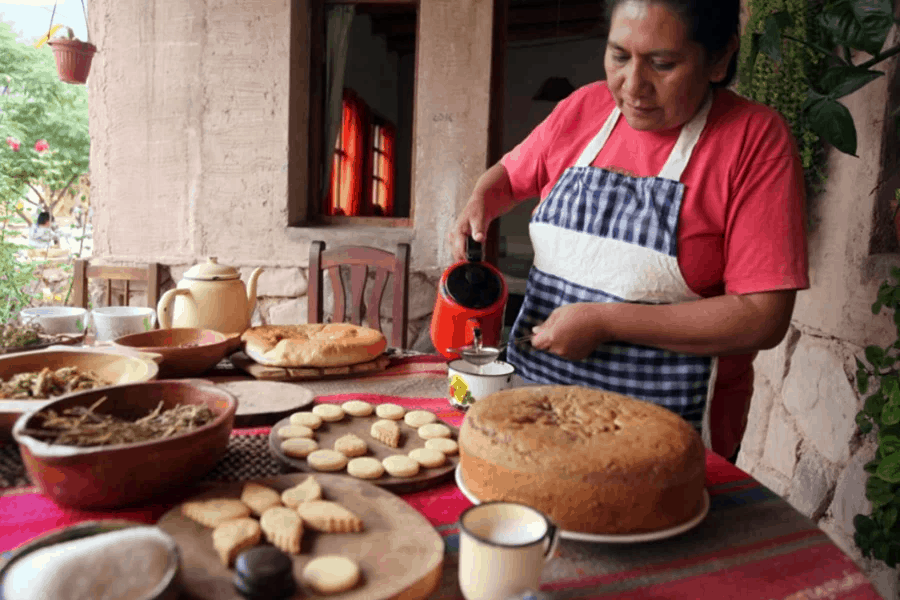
<point x="316" y="73"/>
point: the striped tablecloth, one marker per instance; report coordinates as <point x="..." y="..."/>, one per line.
<point x="753" y="545"/>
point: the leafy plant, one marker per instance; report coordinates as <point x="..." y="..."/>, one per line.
<point x="849" y="26"/>
<point x="783" y="85"/>
<point x="45" y="124"/>
<point x="878" y="533"/>
<point x="16" y="276"/>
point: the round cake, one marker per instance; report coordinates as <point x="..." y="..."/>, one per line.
<point x="593" y="461"/>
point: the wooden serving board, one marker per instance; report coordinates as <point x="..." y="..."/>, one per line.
<point x="250" y="366"/>
<point x="399" y="553"/>
<point x="409" y="440"/>
<point x="262" y="403"/>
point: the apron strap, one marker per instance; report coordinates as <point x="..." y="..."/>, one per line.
<point x="593" y="148"/>
<point x="687" y="140"/>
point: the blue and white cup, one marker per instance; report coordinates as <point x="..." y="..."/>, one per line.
<point x="113" y="322"/>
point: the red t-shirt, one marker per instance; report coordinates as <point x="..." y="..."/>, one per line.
<point x="741" y="228"/>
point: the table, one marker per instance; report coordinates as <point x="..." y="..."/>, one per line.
<point x="753" y="545"/>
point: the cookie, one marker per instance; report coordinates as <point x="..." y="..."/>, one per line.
<point x="306" y="491"/>
<point x="215" y="510"/>
<point x="233" y="537"/>
<point x="387" y="432"/>
<point x="283" y="528"/>
<point x="434" y="430"/>
<point x="299" y="447"/>
<point x="391" y="411"/>
<point x="428" y="457"/>
<point x="417" y="418"/>
<point x="326" y="460"/>
<point x="365" y="467"/>
<point x="330" y="517"/>
<point x="330" y="574"/>
<point x="351" y="445"/>
<point x="445" y="445"/>
<point x="329" y="412"/>
<point x="295" y="431"/>
<point x="400" y="465"/>
<point x="259" y="497"/>
<point x="307" y="419"/>
<point x="357" y="408"/>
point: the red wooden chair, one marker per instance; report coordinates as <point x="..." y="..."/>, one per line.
<point x="360" y="261"/>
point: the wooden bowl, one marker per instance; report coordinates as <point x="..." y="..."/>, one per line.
<point x="186" y="352"/>
<point x="125" y="474"/>
<point x="115" y="368"/>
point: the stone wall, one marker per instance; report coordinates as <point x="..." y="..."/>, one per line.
<point x="802" y="440"/>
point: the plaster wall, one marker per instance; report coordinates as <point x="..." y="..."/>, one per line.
<point x="190" y="116"/>
<point x="190" y="103"/>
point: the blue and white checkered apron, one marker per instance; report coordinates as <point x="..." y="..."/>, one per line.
<point x="600" y="236"/>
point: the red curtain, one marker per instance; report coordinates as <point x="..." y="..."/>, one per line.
<point x="345" y="195"/>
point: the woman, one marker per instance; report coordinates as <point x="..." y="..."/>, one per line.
<point x="669" y="244"/>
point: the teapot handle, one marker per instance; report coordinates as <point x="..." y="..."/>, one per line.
<point x="163" y="307"/>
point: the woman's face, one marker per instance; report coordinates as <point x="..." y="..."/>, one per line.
<point x="657" y="76"/>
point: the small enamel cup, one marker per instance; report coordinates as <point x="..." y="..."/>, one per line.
<point x="502" y="549"/>
<point x="112" y="322"/>
<point x="469" y="383"/>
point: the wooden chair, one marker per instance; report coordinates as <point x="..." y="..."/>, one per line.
<point x="85" y="271"/>
<point x="361" y="260"/>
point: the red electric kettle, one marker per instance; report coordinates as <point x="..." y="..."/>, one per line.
<point x="471" y="295"/>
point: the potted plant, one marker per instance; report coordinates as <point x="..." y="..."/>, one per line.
<point x="73" y="57"/>
<point x="849" y="27"/>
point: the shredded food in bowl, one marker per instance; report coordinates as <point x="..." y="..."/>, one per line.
<point x="47" y="383"/>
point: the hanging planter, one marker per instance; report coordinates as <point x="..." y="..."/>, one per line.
<point x="73" y="59"/>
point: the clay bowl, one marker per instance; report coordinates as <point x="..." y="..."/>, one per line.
<point x="186" y="352"/>
<point x="114" y="368"/>
<point x="125" y="474"/>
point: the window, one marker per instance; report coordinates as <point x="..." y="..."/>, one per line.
<point x="363" y="170"/>
<point x="384" y="137"/>
<point x="363" y="177"/>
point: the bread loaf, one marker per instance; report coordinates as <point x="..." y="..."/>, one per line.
<point x="593" y="461"/>
<point x="313" y="344"/>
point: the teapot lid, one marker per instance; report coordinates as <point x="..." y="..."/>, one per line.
<point x="211" y="270"/>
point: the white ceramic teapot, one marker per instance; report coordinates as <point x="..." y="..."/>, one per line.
<point x="210" y="296"/>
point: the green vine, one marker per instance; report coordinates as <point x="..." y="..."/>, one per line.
<point x="783" y="86"/>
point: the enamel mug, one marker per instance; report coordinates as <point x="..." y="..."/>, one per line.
<point x="502" y="549"/>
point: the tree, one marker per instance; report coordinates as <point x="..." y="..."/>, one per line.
<point x="45" y="124"/>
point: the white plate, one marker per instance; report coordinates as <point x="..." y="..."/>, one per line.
<point x="607" y="538"/>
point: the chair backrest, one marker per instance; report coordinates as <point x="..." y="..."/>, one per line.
<point x="360" y="260"/>
<point x="85" y="271"/>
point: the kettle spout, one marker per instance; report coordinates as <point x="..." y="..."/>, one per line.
<point x="251" y="291"/>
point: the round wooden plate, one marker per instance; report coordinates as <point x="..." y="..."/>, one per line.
<point x="409" y="440"/>
<point x="399" y="553"/>
<point x="265" y="402"/>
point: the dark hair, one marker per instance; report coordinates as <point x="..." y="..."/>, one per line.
<point x="710" y="23"/>
<point x="43" y="218"/>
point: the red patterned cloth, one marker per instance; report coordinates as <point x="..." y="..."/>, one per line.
<point x="753" y="545"/>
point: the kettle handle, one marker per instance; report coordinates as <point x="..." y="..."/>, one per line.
<point x="163" y="312"/>
<point x="473" y="250"/>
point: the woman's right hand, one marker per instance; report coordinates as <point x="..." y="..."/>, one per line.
<point x="491" y="198"/>
<point x="470" y="223"/>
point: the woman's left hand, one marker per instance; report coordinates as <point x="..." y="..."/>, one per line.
<point x="572" y="331"/>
